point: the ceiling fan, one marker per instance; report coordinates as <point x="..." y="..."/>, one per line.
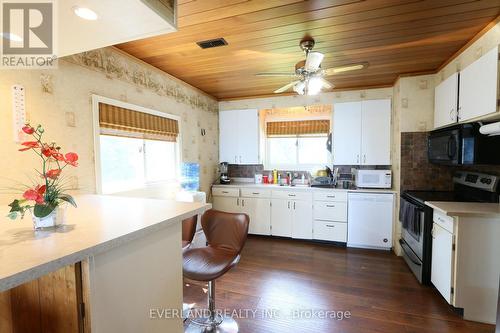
<point x="309" y="74"/>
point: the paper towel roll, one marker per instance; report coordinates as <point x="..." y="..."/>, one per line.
<point x="490" y="129"/>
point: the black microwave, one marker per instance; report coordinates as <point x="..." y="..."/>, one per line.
<point x="463" y="145"/>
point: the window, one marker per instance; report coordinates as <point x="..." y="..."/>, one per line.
<point x="297" y="144"/>
<point x="128" y="163"/>
<point x="299" y="152"/>
<point x="137" y="147"/>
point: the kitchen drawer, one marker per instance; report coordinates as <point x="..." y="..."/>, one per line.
<point x="330" y="196"/>
<point x="225" y="192"/>
<point x="443" y="220"/>
<point x="330" y="231"/>
<point x="330" y="211"/>
<point x="255" y="193"/>
<point x="291" y="195"/>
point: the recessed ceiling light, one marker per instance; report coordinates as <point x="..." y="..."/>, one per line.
<point x="11" y="36"/>
<point x="85" y="13"/>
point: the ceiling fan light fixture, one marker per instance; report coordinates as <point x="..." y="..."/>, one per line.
<point x="299" y="88"/>
<point x="313" y="61"/>
<point x="314" y="86"/>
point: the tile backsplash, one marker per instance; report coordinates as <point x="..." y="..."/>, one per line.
<point x="244" y="170"/>
<point x="417" y="173"/>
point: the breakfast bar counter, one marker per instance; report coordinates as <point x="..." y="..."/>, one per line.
<point x="131" y="247"/>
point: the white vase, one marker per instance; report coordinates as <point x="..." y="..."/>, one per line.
<point x="55" y="218"/>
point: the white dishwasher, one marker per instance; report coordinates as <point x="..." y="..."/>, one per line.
<point x="369" y="220"/>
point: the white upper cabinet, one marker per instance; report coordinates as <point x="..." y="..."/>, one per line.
<point x="446" y="102"/>
<point x="239" y="136"/>
<point x="362" y="133"/>
<point x="479" y="86"/>
<point x="347" y="133"/>
<point x="228" y="136"/>
<point x="376" y="132"/>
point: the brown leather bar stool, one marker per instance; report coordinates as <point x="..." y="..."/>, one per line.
<point x="226" y="235"/>
<point x="188" y="231"/>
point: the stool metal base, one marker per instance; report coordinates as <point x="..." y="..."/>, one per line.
<point x="227" y="325"/>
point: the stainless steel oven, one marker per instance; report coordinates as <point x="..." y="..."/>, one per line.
<point x="416" y="222"/>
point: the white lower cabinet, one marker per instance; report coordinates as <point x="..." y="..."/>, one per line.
<point x="227" y="204"/>
<point x="330" y="216"/>
<point x="281" y="218"/>
<point x="259" y="211"/>
<point x="301" y="219"/>
<point x="442" y="261"/>
<point x="330" y="231"/>
<point x="301" y="214"/>
<point x="291" y="218"/>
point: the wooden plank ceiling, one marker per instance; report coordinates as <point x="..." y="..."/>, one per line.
<point x="394" y="36"/>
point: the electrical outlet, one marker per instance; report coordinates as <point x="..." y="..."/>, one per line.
<point x="70" y="119"/>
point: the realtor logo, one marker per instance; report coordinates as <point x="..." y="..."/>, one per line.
<point x="28" y="34"/>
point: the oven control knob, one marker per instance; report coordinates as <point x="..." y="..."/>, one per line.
<point x="385" y="240"/>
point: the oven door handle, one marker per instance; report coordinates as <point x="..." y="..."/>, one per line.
<point x="409" y="253"/>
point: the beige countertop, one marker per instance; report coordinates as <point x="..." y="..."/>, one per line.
<point x="300" y="188"/>
<point x="98" y="224"/>
<point x="468" y="209"/>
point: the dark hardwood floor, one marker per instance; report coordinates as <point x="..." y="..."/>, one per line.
<point x="283" y="276"/>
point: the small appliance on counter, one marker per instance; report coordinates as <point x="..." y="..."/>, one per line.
<point x="224" y="176"/>
<point x="369" y="178"/>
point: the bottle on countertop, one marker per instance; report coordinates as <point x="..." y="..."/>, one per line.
<point x="275" y="176"/>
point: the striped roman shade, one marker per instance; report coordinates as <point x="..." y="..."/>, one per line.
<point x="115" y="120"/>
<point x="304" y="127"/>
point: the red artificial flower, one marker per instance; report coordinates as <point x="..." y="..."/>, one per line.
<point x="58" y="156"/>
<point x="48" y="151"/>
<point x="71" y="159"/>
<point x="28" y="129"/>
<point x="35" y="194"/>
<point x="29" y="145"/>
<point x="53" y="174"/>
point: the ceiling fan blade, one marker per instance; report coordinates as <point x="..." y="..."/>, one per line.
<point x="313" y="61"/>
<point x="346" y="68"/>
<point x="326" y="84"/>
<point x="286" y="87"/>
<point x="276" y="74"/>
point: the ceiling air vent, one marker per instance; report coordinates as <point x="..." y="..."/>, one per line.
<point x="207" y="44"/>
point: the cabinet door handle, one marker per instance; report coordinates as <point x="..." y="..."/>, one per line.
<point x="240" y="159"/>
<point x="364" y="158"/>
<point x="329" y="226"/>
<point x="237" y="202"/>
<point x="288" y="204"/>
<point x="357" y="158"/>
<point x="454" y="114"/>
<point x="226" y="192"/>
<point x="330" y="206"/>
<point x="256" y="193"/>
<point x="330" y="196"/>
<point x="242" y="202"/>
<point x="291" y="195"/>
<point x="294" y="205"/>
